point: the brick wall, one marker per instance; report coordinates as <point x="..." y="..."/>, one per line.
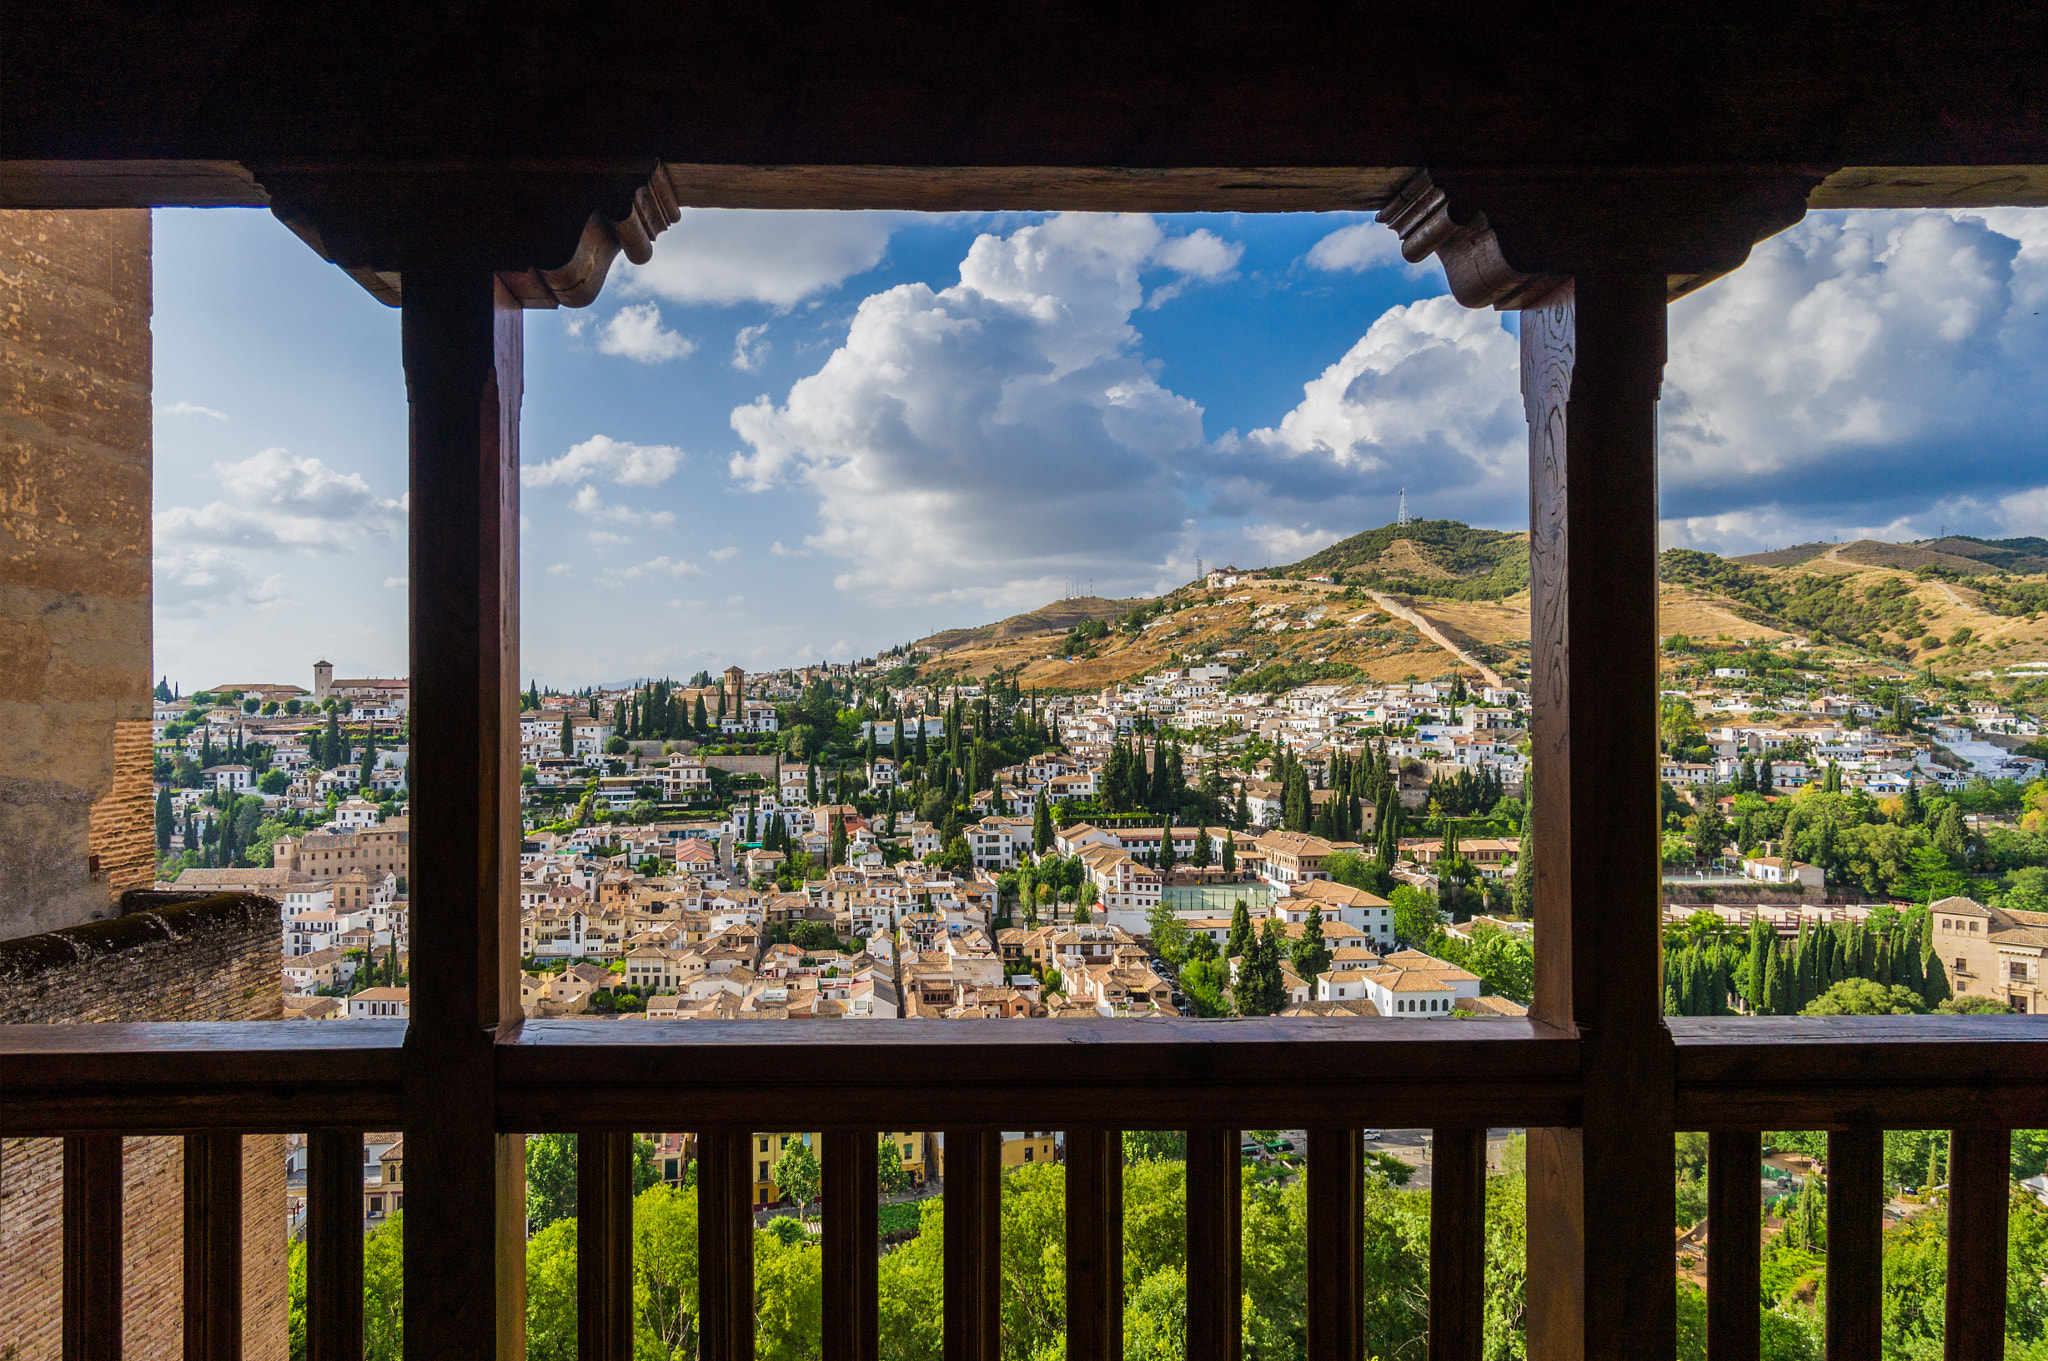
<point x="74" y="560"/>
<point x="213" y="960"/>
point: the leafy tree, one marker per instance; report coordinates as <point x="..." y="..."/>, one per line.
<point x="1862" y="997"/>
<point x="550" y="1178"/>
<point x="1417" y="917"/>
<point x="796" y="1174"/>
<point x="894" y="1179"/>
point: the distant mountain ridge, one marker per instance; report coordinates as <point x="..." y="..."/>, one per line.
<point x="1057" y="617"/>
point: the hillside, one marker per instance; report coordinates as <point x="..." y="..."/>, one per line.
<point x="1058" y="617"/>
<point x="1861" y="608"/>
<point x="1440" y="558"/>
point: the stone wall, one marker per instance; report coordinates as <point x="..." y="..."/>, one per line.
<point x="74" y="564"/>
<point x="213" y="960"/>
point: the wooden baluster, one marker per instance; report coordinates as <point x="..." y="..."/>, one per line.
<point x="213" y="1247"/>
<point x="1095" y="1245"/>
<point x="725" y="1245"/>
<point x="1457" y="1244"/>
<point x="92" y="1247"/>
<point x="1855" y="1243"/>
<point x="974" y="1227"/>
<point x="1336" y="1247"/>
<point x="852" y="1186"/>
<point x="463" y="343"/>
<point x="334" y="1245"/>
<point x="1979" y="1182"/>
<point x="604" y="1246"/>
<point x="1734" y="1244"/>
<point x="1215" y="1246"/>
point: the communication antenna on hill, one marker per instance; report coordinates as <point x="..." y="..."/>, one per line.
<point x="1402" y="518"/>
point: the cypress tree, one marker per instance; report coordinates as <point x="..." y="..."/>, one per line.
<point x="1763" y="943"/>
<point x="1203" y="853"/>
<point x="1240" y="931"/>
<point x="568" y="732"/>
<point x="1312" y="952"/>
<point x="1771" y="1002"/>
<point x="1230" y="853"/>
<point x="1041" y="824"/>
<point x="165" y="820"/>
<point x="1166" y="854"/>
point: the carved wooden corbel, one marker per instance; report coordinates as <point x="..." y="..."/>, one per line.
<point x="1479" y="275"/>
<point x="374" y="255"/>
<point x="578" y="282"/>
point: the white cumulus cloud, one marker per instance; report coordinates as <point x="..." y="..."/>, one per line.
<point x="276" y="501"/>
<point x="750" y="348"/>
<point x="191" y="409"/>
<point x="987" y="441"/>
<point x="196" y="583"/>
<point x="725" y="554"/>
<point x="1865" y="373"/>
<point x="730" y="255"/>
<point x="588" y="502"/>
<point x="1359" y="247"/>
<point x="635" y="332"/>
<point x="634" y="465"/>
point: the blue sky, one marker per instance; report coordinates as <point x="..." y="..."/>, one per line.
<point x="794" y="436"/>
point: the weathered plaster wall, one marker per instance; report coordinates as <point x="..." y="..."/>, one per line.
<point x="75" y="815"/>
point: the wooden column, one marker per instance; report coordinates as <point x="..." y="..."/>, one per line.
<point x="1336" y="1246"/>
<point x="1215" y="1246"/>
<point x="852" y="1187"/>
<point x="973" y="1245"/>
<point x="1979" y="1191"/>
<point x="1856" y="1244"/>
<point x="1735" y="1222"/>
<point x="725" y="1246"/>
<point x="92" y="1247"/>
<point x="1095" y="1245"/>
<point x="334" y="1245"/>
<point x="1592" y="362"/>
<point x="213" y="1247"/>
<point x="465" y="1182"/>
<point x="1457" y="1245"/>
<point x="604" y="1246"/>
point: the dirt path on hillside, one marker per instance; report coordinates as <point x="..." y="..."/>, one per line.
<point x="1436" y="635"/>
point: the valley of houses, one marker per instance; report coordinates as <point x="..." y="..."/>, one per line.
<point x="683" y="908"/>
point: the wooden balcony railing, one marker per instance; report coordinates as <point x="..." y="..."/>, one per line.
<point x="1977" y="1076"/>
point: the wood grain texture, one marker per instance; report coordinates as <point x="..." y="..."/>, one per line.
<point x="604" y="1247"/>
<point x="852" y="1186"/>
<point x="213" y="1247"/>
<point x="1734" y="1245"/>
<point x="461" y="336"/>
<point x="1855" y="1245"/>
<point x="92" y="1247"/>
<point x="973" y="1169"/>
<point x="1457" y="1245"/>
<point x="1215" y="1290"/>
<point x="1336" y="1245"/>
<point x="1592" y="364"/>
<point x="1979" y="1204"/>
<point x="895" y="1074"/>
<point x="725" y="1246"/>
<point x="1095" y="1245"/>
<point x="254" y="1076"/>
<point x="334" y="1245"/>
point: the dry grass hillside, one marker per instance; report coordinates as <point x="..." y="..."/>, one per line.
<point x="1335" y="630"/>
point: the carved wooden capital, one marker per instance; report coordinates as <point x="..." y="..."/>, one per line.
<point x="1544" y="224"/>
<point x="377" y="223"/>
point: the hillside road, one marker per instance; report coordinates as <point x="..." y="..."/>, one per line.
<point x="1436" y="635"/>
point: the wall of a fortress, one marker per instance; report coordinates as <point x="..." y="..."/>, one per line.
<point x="74" y="565"/>
<point x="214" y="961"/>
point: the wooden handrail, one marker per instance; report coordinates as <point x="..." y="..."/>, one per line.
<point x="1904" y="1072"/>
